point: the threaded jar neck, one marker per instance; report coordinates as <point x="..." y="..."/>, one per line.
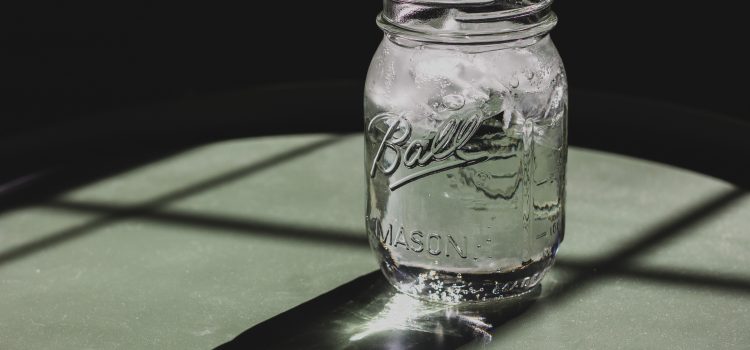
<point x="466" y="21"/>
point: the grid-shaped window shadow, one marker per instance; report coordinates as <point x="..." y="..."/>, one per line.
<point x="586" y="272"/>
<point x="112" y="215"/>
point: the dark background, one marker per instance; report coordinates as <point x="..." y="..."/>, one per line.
<point x="661" y="81"/>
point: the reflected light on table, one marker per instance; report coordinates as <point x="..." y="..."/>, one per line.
<point x="402" y="314"/>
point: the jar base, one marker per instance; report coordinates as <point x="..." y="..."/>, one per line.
<point x="457" y="288"/>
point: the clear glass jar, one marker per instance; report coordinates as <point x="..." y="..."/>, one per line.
<point x="465" y="147"/>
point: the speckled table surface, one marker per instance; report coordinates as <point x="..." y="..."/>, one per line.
<point x="259" y="243"/>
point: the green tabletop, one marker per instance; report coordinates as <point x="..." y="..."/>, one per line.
<point x="265" y="236"/>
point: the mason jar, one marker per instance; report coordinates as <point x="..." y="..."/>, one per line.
<point x="465" y="147"/>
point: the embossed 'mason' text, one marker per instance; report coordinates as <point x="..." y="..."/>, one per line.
<point x="419" y="242"/>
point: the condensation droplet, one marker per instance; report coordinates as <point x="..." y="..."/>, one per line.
<point x="453" y="102"/>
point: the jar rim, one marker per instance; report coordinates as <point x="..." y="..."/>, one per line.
<point x="532" y="6"/>
<point x="467" y="21"/>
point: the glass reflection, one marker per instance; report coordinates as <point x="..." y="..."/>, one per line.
<point x="367" y="313"/>
<point x="401" y="321"/>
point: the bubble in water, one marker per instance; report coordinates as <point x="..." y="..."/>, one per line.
<point x="453" y="102"/>
<point x="496" y="290"/>
<point x="514" y="82"/>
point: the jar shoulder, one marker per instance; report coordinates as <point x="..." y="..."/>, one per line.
<point x="421" y="63"/>
<point x="417" y="78"/>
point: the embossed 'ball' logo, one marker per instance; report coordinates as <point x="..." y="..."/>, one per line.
<point x="444" y="147"/>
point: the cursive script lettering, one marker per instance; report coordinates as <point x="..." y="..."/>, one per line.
<point x="446" y="142"/>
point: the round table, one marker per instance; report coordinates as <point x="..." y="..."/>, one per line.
<point x="260" y="243"/>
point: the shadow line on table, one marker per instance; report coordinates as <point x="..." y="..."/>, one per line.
<point x="225" y="224"/>
<point x="608" y="265"/>
<point x="584" y="267"/>
<point x="59" y="237"/>
<point x="464" y="326"/>
<point x="653" y="238"/>
<point x="371" y="320"/>
<point x="679" y="277"/>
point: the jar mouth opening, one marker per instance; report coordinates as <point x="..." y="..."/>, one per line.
<point x="484" y="10"/>
<point x="467" y="21"/>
